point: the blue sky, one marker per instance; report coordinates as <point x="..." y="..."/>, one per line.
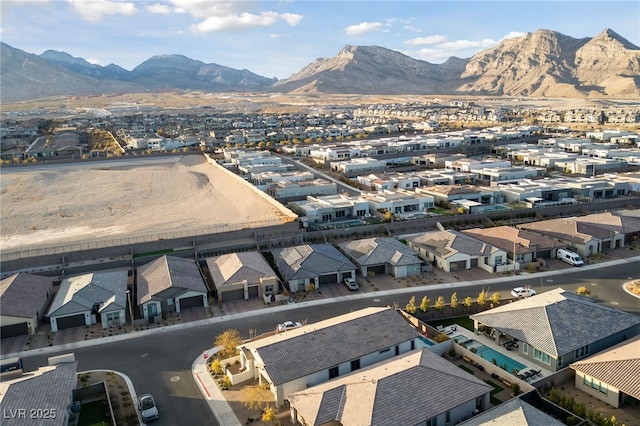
<point x="278" y="38"/>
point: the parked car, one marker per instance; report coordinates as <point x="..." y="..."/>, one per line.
<point x="351" y="284"/>
<point x="523" y="292"/>
<point x="148" y="408"/>
<point x="287" y="325"/>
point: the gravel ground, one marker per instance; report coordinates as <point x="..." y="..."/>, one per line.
<point x="69" y="205"/>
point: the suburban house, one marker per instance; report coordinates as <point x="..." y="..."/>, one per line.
<point x="24" y="299"/>
<point x="589" y="234"/>
<point x="612" y="375"/>
<point x="241" y="276"/>
<point x="451" y="250"/>
<point x="47" y="391"/>
<point x="90" y="298"/>
<point x="546" y="329"/>
<point x="306" y="356"/>
<point x="521" y="245"/>
<point x="170" y="284"/>
<point x="383" y="255"/>
<point x="307" y="266"/>
<point x="513" y="412"/>
<point x="394" y="392"/>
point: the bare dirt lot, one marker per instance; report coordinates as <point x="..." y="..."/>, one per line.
<point x="68" y="203"/>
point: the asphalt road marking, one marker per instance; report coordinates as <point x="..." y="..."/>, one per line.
<point x="175" y="378"/>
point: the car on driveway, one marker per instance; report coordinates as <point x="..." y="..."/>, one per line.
<point x="288" y="325"/>
<point x="351" y="284"/>
<point x="148" y="408"/>
<point x="523" y="292"/>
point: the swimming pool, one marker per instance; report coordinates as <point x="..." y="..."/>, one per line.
<point x="503" y="361"/>
<point x="460" y="338"/>
<point x="425" y="341"/>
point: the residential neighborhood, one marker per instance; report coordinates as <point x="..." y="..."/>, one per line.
<point x="382" y="199"/>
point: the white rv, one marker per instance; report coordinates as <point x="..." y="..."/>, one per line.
<point x="570" y="257"/>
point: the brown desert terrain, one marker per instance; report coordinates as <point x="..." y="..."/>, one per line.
<point x="51" y="206"/>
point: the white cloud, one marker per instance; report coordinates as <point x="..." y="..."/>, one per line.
<point x="441" y="49"/>
<point x="425" y="41"/>
<point x="94" y="10"/>
<point x="161" y="9"/>
<point x="241" y="22"/>
<point x="513" y="34"/>
<point x="362" y="28"/>
<point x="236" y="15"/>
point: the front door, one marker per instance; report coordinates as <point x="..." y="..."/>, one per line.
<point x="152" y="311"/>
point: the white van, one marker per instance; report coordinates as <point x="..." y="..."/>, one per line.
<point x="570" y="257"/>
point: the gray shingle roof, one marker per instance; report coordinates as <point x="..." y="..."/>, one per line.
<point x="404" y="390"/>
<point x="378" y="251"/>
<point x="236" y="267"/>
<point x="548" y="322"/>
<point x="618" y="366"/>
<point x="513" y="412"/>
<point x="21" y="295"/>
<point x="167" y="272"/>
<point x="316" y="347"/>
<point x="449" y="242"/>
<point x="80" y="292"/>
<point x="47" y="390"/>
<point x="310" y="261"/>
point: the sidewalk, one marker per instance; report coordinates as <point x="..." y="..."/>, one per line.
<point x="210" y="390"/>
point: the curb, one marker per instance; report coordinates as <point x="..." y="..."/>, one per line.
<point x="281" y="308"/>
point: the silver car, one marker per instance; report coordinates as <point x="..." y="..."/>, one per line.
<point x="147" y="407"/>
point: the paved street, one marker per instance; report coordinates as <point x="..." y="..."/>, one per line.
<point x="159" y="360"/>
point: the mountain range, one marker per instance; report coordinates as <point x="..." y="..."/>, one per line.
<point x="540" y="64"/>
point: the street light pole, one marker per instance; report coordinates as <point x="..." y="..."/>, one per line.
<point x="130" y="308"/>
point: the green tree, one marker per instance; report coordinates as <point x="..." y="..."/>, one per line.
<point x="454" y="300"/>
<point x="411" y="306"/>
<point x="439" y="303"/>
<point x="424" y="305"/>
<point x="229" y="341"/>
<point x="495" y="298"/>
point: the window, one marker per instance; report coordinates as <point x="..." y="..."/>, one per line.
<point x="333" y="372"/>
<point x="587" y="380"/>
<point x="355" y="365"/>
<point x="541" y="356"/>
<point x="113" y="316"/>
<point x="525" y="349"/>
<point x="582" y="352"/>
<point x="432" y="422"/>
<point x="559" y="361"/>
<point x="169" y="302"/>
<point x="603" y="388"/>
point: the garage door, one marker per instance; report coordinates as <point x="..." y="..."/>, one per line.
<point x="253" y="291"/>
<point x="543" y="254"/>
<point x="70" y="322"/>
<point x="14" y="330"/>
<point x="379" y="269"/>
<point x="474" y="263"/>
<point x="329" y="279"/>
<point x="458" y="266"/>
<point x="190" y="302"/>
<point x="233" y="295"/>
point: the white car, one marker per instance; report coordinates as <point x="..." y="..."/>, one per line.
<point x="147" y="407"/>
<point x="288" y="325"/>
<point x="351" y="284"/>
<point x="523" y="292"/>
